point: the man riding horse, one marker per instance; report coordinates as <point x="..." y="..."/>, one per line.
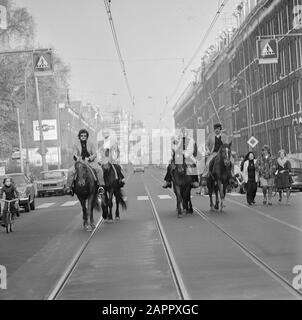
<point x="110" y="156"/>
<point x="214" y="141"/>
<point x="184" y="146"/>
<point x="85" y="151"/>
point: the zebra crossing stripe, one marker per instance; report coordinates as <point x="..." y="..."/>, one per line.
<point x="164" y="196"/>
<point x="69" y="203"/>
<point x="45" y="205"/>
<point x="142" y="198"/>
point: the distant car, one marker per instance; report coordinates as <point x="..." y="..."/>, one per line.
<point x="25" y="188"/>
<point x="52" y="182"/>
<point x="297" y="178"/>
<point x="138" y="168"/>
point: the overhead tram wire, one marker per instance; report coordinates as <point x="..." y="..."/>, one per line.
<point x="221" y="7"/>
<point x="118" y="50"/>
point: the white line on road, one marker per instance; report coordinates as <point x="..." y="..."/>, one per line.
<point x="69" y="203"/>
<point x="45" y="205"/>
<point x="265" y="215"/>
<point x="142" y="198"/>
<point x="164" y="196"/>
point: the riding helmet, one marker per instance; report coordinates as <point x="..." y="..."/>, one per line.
<point x="83" y="131"/>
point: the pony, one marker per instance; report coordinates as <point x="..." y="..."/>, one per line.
<point x="181" y="186"/>
<point x="112" y="187"/>
<point x="219" y="175"/>
<point x="85" y="187"/>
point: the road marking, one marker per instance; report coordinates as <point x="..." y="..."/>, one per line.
<point x="142" y="198"/>
<point x="265" y="215"/>
<point x="45" y="205"/>
<point x="164" y="196"/>
<point x="242" y="195"/>
<point x="69" y="203"/>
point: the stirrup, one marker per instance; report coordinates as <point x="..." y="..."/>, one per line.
<point x="101" y="190"/>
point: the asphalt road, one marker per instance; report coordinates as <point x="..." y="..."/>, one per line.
<point x="125" y="259"/>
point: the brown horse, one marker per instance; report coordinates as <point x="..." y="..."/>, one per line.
<point x="112" y="188"/>
<point x="182" y="187"/>
<point x="219" y="175"/>
<point x="85" y="187"/>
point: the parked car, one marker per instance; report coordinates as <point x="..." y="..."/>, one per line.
<point x="297" y="178"/>
<point x="138" y="168"/>
<point x="52" y="182"/>
<point x="25" y="189"/>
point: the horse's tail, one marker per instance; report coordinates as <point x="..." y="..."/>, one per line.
<point x="120" y="198"/>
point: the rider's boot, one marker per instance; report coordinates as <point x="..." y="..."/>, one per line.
<point x="122" y="182"/>
<point x="167" y="184"/>
<point x="203" y="181"/>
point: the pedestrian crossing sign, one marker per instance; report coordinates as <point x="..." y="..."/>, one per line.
<point x="42" y="63"/>
<point x="267" y="51"/>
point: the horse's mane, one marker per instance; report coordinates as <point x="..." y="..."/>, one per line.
<point x="219" y="153"/>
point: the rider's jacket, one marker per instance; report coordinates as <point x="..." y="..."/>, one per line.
<point x="210" y="143"/>
<point x="10" y="192"/>
<point x="77" y="150"/>
<point x="186" y="147"/>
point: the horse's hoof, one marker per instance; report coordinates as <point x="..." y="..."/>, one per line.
<point x="117" y="218"/>
<point x="216" y="207"/>
<point x="179" y="215"/>
<point x="191" y="211"/>
<point x="92" y="226"/>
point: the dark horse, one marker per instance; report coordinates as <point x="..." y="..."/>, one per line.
<point x="112" y="187"/>
<point x="182" y="187"/>
<point x="219" y="175"/>
<point x="85" y="188"/>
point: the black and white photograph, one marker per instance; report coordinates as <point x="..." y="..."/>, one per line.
<point x="150" y="154"/>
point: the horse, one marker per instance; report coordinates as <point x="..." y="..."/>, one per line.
<point x="112" y="187"/>
<point x="85" y="187"/>
<point x="181" y="186"/>
<point x="219" y="175"/>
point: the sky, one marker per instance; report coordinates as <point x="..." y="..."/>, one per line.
<point x="157" y="39"/>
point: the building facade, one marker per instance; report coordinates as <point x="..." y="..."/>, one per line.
<point x="248" y="98"/>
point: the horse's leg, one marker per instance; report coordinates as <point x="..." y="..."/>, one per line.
<point x="90" y="210"/>
<point x="210" y="187"/>
<point x="105" y="205"/>
<point x="221" y="193"/>
<point x="190" y="207"/>
<point x="178" y="200"/>
<point x="110" y="204"/>
<point x="216" y="207"/>
<point x="117" y="207"/>
<point x="84" y="210"/>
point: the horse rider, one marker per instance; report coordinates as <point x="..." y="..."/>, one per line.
<point x="85" y="151"/>
<point x="110" y="155"/>
<point x="213" y="143"/>
<point x="185" y="146"/>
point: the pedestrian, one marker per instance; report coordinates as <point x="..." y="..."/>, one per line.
<point x="250" y="177"/>
<point x="283" y="179"/>
<point x="266" y="166"/>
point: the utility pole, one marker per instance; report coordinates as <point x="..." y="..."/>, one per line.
<point x="42" y="144"/>
<point x="59" y="136"/>
<point x="20" y="139"/>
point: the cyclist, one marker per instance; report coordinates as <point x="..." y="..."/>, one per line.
<point x="10" y="192"/>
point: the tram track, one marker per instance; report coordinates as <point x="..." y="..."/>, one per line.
<point x="249" y="253"/>
<point x="63" y="280"/>
<point x="175" y="272"/>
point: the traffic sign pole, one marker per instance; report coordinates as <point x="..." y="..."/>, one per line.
<point x="42" y="144"/>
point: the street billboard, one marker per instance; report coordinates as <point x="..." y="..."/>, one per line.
<point x="49" y="128"/>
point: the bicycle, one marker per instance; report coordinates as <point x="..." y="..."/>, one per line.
<point x="7" y="216"/>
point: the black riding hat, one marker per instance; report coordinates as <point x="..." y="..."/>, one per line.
<point x="217" y="125"/>
<point x="83" y="131"/>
